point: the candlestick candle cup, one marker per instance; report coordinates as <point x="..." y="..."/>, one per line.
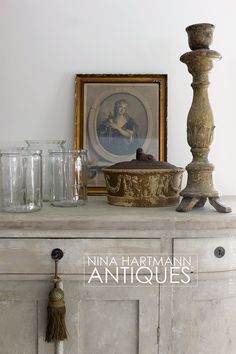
<point x="200" y="35"/>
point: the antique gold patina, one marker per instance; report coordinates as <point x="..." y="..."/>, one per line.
<point x="200" y="123"/>
<point x="143" y="182"/>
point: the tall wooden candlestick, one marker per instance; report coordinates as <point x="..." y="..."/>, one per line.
<point x="200" y="123"/>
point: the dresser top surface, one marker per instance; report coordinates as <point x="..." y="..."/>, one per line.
<point x="97" y="214"/>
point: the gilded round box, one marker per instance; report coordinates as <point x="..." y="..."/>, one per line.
<point x="143" y="182"/>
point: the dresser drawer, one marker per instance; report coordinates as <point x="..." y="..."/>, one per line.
<point x="33" y="256"/>
<point x="210" y="255"/>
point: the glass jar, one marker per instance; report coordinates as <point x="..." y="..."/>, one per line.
<point x="21" y="180"/>
<point x="69" y="178"/>
<point x="46" y="146"/>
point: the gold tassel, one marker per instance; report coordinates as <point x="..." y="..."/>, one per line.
<point x="56" y="326"/>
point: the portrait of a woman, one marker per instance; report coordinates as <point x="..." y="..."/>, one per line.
<point x="118" y="132"/>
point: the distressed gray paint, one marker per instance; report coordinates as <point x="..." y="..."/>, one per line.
<point x="198" y="320"/>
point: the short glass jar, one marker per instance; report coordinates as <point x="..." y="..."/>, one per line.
<point x="46" y="146"/>
<point x="69" y="177"/>
<point x="21" y="180"/>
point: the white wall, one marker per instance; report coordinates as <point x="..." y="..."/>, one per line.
<point x="43" y="43"/>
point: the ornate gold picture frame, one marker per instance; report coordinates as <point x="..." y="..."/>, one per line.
<point x="116" y="114"/>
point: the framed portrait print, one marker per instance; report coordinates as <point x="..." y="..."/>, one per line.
<point x="115" y="115"/>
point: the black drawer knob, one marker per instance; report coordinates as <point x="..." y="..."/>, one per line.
<point x="219" y="252"/>
<point x="57" y="254"/>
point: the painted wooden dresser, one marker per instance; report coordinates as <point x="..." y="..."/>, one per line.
<point x="118" y="319"/>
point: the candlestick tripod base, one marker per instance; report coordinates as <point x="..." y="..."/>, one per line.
<point x="188" y="203"/>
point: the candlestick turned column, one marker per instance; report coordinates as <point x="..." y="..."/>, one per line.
<point x="200" y="122"/>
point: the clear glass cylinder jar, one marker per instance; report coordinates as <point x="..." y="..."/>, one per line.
<point x="69" y="178"/>
<point x="46" y="146"/>
<point x="21" y="180"/>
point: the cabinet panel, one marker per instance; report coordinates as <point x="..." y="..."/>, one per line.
<point x="109" y="326"/>
<point x="33" y="256"/>
<point x="18" y="327"/>
<point x="112" y="320"/>
<point x="23" y="308"/>
<point x="204" y="249"/>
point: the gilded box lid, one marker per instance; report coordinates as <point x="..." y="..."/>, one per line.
<point x="142" y="162"/>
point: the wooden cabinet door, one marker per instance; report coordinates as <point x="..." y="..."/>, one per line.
<point x="107" y="320"/>
<point x="204" y="317"/>
<point x="111" y="320"/>
<point x="100" y="320"/>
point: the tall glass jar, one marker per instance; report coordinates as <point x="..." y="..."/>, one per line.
<point x="69" y="178"/>
<point x="21" y="180"/>
<point x="46" y="146"/>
